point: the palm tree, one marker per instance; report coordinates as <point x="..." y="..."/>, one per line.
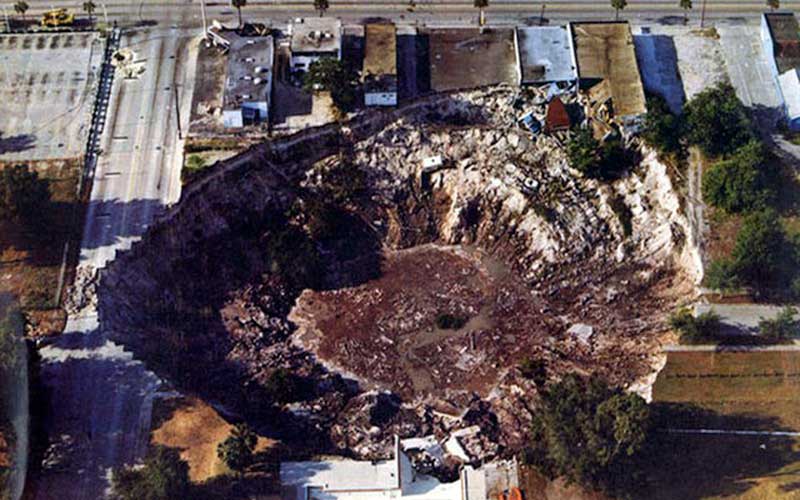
<point x="239" y="4"/>
<point x="21" y="7"/>
<point x="321" y="6"/>
<point x="686" y="5"/>
<point x="618" y="6"/>
<point x="480" y="5"/>
<point x="89" y="7"/>
<point x="774" y="4"/>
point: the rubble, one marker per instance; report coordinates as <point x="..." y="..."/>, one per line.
<point x="505" y="237"/>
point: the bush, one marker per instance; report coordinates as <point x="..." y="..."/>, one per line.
<point x="662" y="129"/>
<point x="606" y="161"/>
<point x="164" y="477"/>
<point x="720" y="275"/>
<point x="695" y="328"/>
<point x="741" y="183"/>
<point x="584" y="430"/>
<point x="717" y="121"/>
<point x="784" y="326"/>
<point x="236" y="452"/>
<point x="762" y="256"/>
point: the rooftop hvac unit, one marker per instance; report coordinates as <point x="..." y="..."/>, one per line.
<point x="258" y="81"/>
<point x="247" y="77"/>
<point x="250" y="59"/>
<point x="261" y="69"/>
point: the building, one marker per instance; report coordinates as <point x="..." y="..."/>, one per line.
<point x="248" y="77"/>
<point x="781" y="42"/>
<point x="466" y="58"/>
<point x="380" y="65"/>
<point x="313" y="38"/>
<point x="604" y="53"/>
<point x="545" y="55"/>
<point x="387" y="479"/>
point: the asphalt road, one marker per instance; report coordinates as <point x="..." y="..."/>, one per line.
<point x="100" y="397"/>
<point x="186" y="13"/>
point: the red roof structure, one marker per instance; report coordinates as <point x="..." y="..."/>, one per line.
<point x="557" y="117"/>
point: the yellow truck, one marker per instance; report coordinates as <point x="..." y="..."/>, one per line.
<point x="57" y="17"/>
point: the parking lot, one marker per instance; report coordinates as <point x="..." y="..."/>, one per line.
<point x="46" y="93"/>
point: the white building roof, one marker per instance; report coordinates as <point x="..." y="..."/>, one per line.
<point x="316" y="35"/>
<point x="545" y="54"/>
<point x="790" y="87"/>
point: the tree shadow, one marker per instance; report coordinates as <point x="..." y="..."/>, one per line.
<point x="693" y="465"/>
<point x="17" y="143"/>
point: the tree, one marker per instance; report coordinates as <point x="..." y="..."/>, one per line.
<point x="662" y="129"/>
<point x="284" y="386"/>
<point x="774" y="4"/>
<point x="481" y="5"/>
<point x="239" y="4"/>
<point x="717" y="121"/>
<point x="702" y="327"/>
<point x="321" y="6"/>
<point x="618" y="5"/>
<point x="585" y="429"/>
<point x="89" y="7"/>
<point x="24" y="197"/>
<point x="21" y="7"/>
<point x="605" y="161"/>
<point x="237" y="449"/>
<point x="535" y="370"/>
<point x="164" y="476"/>
<point x="743" y="182"/>
<point x="783" y="326"/>
<point x="334" y="76"/>
<point x="762" y="257"/>
<point x="686" y="5"/>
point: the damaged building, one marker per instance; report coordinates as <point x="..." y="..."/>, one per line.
<point x="466" y="58"/>
<point x="608" y="70"/>
<point x="380" y="65"/>
<point x="781" y="41"/>
<point x="545" y="55"/>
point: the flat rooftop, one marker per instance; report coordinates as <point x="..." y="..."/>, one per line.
<point x="316" y="34"/>
<point x="463" y="58"/>
<point x="545" y="54"/>
<point x="380" y="50"/>
<point x="249" y="74"/>
<point x="605" y="51"/>
<point x="784" y="29"/>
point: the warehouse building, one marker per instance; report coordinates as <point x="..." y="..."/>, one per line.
<point x="248" y="80"/>
<point x="313" y="38"/>
<point x="380" y="65"/>
<point x="545" y="55"/>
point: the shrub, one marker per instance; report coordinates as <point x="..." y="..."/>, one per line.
<point x="164" y="476"/>
<point x="783" y="326"/>
<point x="717" y="121"/>
<point x="741" y="183"/>
<point x="236" y="452"/>
<point x="695" y="328"/>
<point x="720" y="275"/>
<point x="606" y="161"/>
<point x="24" y="197"/>
<point x="662" y="129"/>
<point x="762" y="256"/>
<point x="284" y="386"/>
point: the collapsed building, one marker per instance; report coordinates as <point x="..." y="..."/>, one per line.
<point x="608" y="70"/>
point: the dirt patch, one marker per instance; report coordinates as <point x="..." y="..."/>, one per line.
<point x="196" y="429"/>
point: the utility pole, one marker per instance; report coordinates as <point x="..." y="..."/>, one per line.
<point x="178" y="112"/>
<point x="541" y="16"/>
<point x="203" y="15"/>
<point x="105" y="13"/>
<point x="8" y="24"/>
<point x="703" y="14"/>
